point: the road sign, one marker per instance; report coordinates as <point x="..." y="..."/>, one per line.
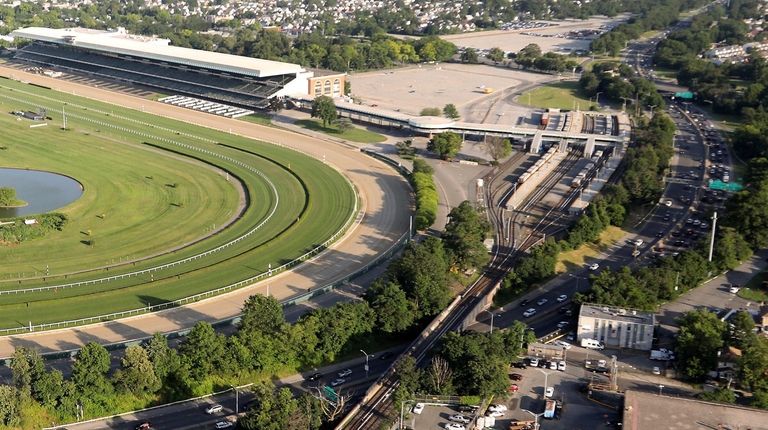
<point x="726" y="186"/>
<point x="330" y="393"/>
<point x="685" y="95"/>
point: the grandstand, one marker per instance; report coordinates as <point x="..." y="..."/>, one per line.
<point x="228" y="79"/>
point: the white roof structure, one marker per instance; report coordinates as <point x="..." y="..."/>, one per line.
<point x="120" y="42"/>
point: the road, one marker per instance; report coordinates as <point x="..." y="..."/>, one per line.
<point x="384" y="198"/>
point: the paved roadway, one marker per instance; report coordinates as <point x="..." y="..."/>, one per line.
<point x="385" y="197"/>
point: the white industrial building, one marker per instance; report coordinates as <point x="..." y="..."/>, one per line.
<point x="616" y="327"/>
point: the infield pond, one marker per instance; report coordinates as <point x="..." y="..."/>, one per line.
<point x="43" y="191"/>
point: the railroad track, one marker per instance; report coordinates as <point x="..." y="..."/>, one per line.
<point x="378" y="406"/>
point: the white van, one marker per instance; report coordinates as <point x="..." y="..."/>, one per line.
<point x="592" y="344"/>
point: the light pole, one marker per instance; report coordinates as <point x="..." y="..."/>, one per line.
<point x="661" y="387"/>
<point x="366" y="362"/>
<point x="597" y="98"/>
<point x="712" y="238"/>
<point x="492" y="315"/>
<point x="535" y="418"/>
<point x="237" y="399"/>
<point x="402" y="413"/>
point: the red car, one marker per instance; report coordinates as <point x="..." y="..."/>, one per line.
<point x="516" y="377"/>
<point x="513" y="388"/>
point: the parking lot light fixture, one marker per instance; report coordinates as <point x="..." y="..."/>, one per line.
<point x="535" y="418"/>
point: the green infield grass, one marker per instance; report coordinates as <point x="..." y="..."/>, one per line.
<point x="210" y="208"/>
<point x="354" y="134"/>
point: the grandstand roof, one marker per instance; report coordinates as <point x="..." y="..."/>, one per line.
<point x="120" y="42"/>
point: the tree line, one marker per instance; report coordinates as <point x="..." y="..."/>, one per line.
<point x="650" y="15"/>
<point x="701" y="340"/>
<point x="415" y="287"/>
<point x="621" y="84"/>
<point x="729" y="87"/>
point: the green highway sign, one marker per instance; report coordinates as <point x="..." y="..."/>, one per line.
<point x="725" y="186"/>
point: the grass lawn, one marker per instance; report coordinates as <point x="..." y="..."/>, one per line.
<point x="355" y="134"/>
<point x="258" y="118"/>
<point x="578" y="258"/>
<point x="561" y="95"/>
<point x="126" y="160"/>
<point x="752" y="290"/>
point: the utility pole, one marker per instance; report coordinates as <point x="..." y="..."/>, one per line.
<point x="712" y="239"/>
<point x="64" y="117"/>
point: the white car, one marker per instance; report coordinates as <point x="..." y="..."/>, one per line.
<point x="594" y="266"/>
<point x="563" y="343"/>
<point x="656" y="370"/>
<point x="638" y="242"/>
<point x="549" y="392"/>
<point x="418" y="409"/>
<point x="454" y="426"/>
<point x="337" y="382"/>
<point x="542" y="301"/>
<point x="459" y="418"/>
<point x="344" y="373"/>
<point x="534" y="363"/>
<point x="734" y="290"/>
<point x="602" y="363"/>
<point x="495" y="414"/>
<point x="667" y="203"/>
<point x="562" y="324"/>
<point x="529" y="313"/>
<point x="552" y="365"/>
<point x="499" y="407"/>
<point x="561" y="365"/>
<point x="561" y="298"/>
<point x="214" y="409"/>
<point x="223" y="424"/>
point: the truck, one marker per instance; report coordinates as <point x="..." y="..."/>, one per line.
<point x="661" y="354"/>
<point x="549" y="409"/>
<point x="592" y="344"/>
<point x="545" y="119"/>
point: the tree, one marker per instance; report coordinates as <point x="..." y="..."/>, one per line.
<point x="464" y="236"/>
<point x="754" y="364"/>
<point x="422" y="272"/>
<point x="343" y="124"/>
<point x="438" y="377"/>
<point x="450" y="111"/>
<point x="137" y="375"/>
<point x="720" y="395"/>
<point x="497" y="147"/>
<point x="89" y="372"/>
<point x="201" y="350"/>
<point x="469" y="56"/>
<point x="164" y="359"/>
<point x="262" y="314"/>
<point x="742" y="329"/>
<point x="495" y="54"/>
<point x="324" y="108"/>
<point x="700" y="337"/>
<point x="731" y="249"/>
<point x="394" y="312"/>
<point x="430" y="111"/>
<point x="446" y="145"/>
<point x="49" y="388"/>
<point x="7" y="196"/>
<point x="273" y="409"/>
<point x="27" y="368"/>
<point x="9" y="405"/>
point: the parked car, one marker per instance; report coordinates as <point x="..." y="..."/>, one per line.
<point x="520" y="365"/>
<point x="344" y="373"/>
<point x="534" y="362"/>
<point x="495" y="414"/>
<point x="542" y="301"/>
<point x="529" y="313"/>
<point x="561" y="365"/>
<point x="549" y="392"/>
<point x="563" y="343"/>
<point x="144" y="426"/>
<point x="224" y="424"/>
<point x="516" y="377"/>
<point x="459" y="418"/>
<point x="337" y="382"/>
<point x="454" y="426"/>
<point x="418" y="408"/>
<point x="497" y="407"/>
<point x="315" y="376"/>
<point x="594" y="266"/>
<point x="552" y="365"/>
<point x="563" y="324"/>
<point x="656" y="370"/>
<point x="561" y="298"/>
<point x="513" y="388"/>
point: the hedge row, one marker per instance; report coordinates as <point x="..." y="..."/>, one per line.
<point x="426" y="194"/>
<point x="19" y="232"/>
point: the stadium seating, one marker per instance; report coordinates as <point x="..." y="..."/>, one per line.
<point x="240" y="91"/>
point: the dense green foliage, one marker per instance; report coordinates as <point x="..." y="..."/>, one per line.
<point x="426" y="194"/>
<point x="8" y="197"/>
<point x="700" y="337"/>
<point x="530" y="57"/>
<point x="446" y="144"/>
<point x="730" y="87"/>
<point x="464" y="235"/>
<point x="18" y="231"/>
<point x="621" y="84"/>
<point x="652" y="15"/>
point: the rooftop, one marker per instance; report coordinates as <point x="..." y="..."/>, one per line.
<point x="616" y="314"/>
<point x="650" y="411"/>
<point x="118" y="41"/>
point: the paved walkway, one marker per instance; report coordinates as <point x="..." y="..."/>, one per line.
<point x="384" y="197"/>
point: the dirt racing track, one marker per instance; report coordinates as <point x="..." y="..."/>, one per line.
<point x="384" y="200"/>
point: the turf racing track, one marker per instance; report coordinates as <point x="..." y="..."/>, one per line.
<point x="383" y="195"/>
